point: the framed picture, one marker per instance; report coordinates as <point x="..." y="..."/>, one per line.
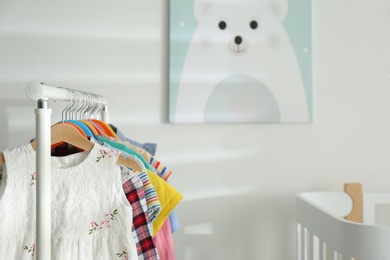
<point x="240" y="61"/>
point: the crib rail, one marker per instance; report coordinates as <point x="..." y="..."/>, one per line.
<point x="324" y="234"/>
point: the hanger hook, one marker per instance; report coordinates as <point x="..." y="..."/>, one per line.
<point x="95" y="108"/>
<point x="79" y="104"/>
<point x="74" y="106"/>
<point x="90" y="106"/>
<point x="66" y="109"/>
<point x="82" y="105"/>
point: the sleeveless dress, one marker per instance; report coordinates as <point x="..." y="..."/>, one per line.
<point x="91" y="217"/>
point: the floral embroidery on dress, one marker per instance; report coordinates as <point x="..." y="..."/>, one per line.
<point x="110" y="154"/>
<point x="30" y="249"/>
<point x="106" y="223"/>
<point x="33" y="178"/>
<point x="123" y="254"/>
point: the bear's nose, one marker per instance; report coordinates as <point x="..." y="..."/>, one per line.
<point x="238" y="40"/>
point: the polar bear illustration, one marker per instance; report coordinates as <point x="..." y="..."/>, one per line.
<point x="240" y="66"/>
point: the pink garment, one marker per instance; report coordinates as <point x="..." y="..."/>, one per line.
<point x="164" y="242"/>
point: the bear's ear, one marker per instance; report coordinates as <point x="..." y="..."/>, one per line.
<point x="201" y="7"/>
<point x="279" y="7"/>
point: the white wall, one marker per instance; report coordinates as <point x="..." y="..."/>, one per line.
<point x="238" y="180"/>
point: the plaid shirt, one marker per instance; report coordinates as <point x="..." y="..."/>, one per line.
<point x="141" y="231"/>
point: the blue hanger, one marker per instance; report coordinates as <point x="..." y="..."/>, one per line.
<point x="85" y="128"/>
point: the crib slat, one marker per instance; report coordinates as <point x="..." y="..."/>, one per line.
<point x="308" y="245"/>
<point x="328" y="252"/>
<point x="299" y="242"/>
<point x="305" y="246"/>
<point x="316" y="248"/>
<point x="338" y="256"/>
<point x="321" y="254"/>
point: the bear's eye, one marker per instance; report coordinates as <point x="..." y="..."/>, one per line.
<point x="253" y="24"/>
<point x="222" y="25"/>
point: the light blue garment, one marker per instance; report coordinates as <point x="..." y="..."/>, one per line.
<point x="149" y="147"/>
<point x="174" y="222"/>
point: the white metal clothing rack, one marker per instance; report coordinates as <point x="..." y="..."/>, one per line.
<point x="42" y="94"/>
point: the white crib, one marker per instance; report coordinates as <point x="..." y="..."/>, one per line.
<point x="325" y="233"/>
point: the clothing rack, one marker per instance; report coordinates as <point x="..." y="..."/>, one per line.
<point x="42" y="94"/>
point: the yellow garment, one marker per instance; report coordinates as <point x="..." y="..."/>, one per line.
<point x="169" y="198"/>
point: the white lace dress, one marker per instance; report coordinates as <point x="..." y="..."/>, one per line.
<point x="91" y="217"/>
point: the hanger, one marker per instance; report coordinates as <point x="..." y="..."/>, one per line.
<point x="126" y="149"/>
<point x="106" y="128"/>
<point x="63" y="132"/>
<point x="84" y="128"/>
<point x="91" y="127"/>
<point x="90" y="107"/>
<point x="98" y="129"/>
<point x="53" y="144"/>
<point x="67" y="133"/>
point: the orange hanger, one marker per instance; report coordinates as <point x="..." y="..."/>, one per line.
<point x="98" y="128"/>
<point x="106" y="128"/>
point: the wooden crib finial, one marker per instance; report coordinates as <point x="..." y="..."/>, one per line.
<point x="356" y="193"/>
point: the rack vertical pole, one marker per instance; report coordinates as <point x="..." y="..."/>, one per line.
<point x="43" y="180"/>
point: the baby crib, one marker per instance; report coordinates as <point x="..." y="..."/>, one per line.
<point x="328" y="225"/>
